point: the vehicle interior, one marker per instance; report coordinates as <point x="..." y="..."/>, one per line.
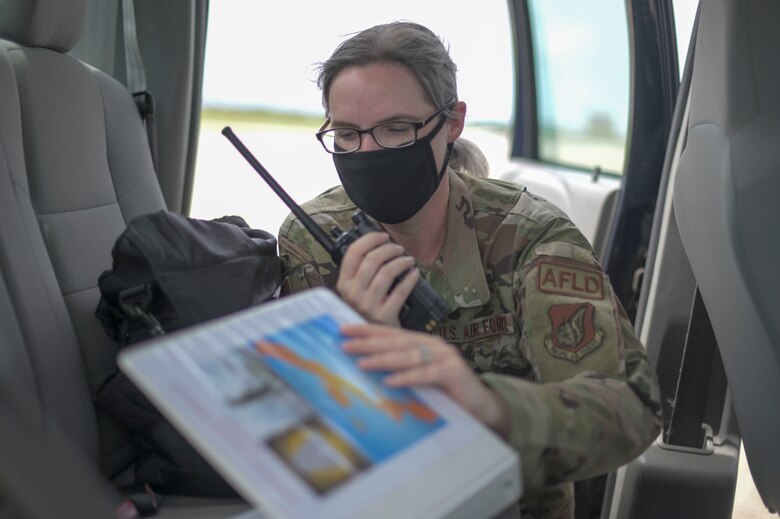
<point x="102" y="104"/>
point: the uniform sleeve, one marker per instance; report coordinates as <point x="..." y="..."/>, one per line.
<point x="595" y="404"/>
<point x="305" y="264"/>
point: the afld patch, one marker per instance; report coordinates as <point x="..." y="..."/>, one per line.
<point x="558" y="278"/>
<point x="574" y="333"/>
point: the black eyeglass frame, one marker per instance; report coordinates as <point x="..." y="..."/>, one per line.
<point x="416" y="125"/>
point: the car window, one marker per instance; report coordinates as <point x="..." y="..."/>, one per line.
<point x="259" y="78"/>
<point x="684" y="16"/>
<point x="582" y="70"/>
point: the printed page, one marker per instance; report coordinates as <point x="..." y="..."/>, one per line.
<point x="288" y="418"/>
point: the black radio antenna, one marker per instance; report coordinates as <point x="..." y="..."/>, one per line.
<point x="307" y="221"/>
<point x="423" y="310"/>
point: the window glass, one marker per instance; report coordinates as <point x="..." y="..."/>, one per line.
<point x="582" y="81"/>
<point x="684" y="16"/>
<point x="259" y="79"/>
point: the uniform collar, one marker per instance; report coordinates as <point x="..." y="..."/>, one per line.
<point x="458" y="274"/>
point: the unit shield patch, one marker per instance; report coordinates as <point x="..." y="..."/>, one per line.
<point x="573" y="331"/>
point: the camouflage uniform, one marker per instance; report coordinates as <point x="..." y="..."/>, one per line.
<point x="529" y="305"/>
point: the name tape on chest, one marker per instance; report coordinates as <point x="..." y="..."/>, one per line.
<point x="557" y="278"/>
<point x="477" y="328"/>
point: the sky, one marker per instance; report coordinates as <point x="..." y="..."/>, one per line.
<point x="241" y="71"/>
<point x="253" y="60"/>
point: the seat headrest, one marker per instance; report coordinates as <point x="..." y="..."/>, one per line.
<point x="54" y="24"/>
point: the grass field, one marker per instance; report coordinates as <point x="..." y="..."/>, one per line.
<point x="213" y="116"/>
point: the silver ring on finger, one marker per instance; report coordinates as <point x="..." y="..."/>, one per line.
<point x="425" y="353"/>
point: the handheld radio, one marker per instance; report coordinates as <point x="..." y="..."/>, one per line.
<point x="423" y="309"/>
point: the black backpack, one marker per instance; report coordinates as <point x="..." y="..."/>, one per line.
<point x="169" y="272"/>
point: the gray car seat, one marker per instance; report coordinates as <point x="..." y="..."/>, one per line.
<point x="35" y="454"/>
<point x="726" y="201"/>
<point x="75" y="169"/>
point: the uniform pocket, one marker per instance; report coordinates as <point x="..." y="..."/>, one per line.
<point x="301" y="278"/>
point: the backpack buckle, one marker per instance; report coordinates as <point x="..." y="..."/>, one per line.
<point x="134" y="302"/>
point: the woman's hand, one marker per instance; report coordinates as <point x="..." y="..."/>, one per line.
<point x="368" y="270"/>
<point x="418" y="359"/>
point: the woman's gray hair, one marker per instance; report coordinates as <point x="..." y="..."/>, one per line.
<point x="406" y="43"/>
<point x="422" y="52"/>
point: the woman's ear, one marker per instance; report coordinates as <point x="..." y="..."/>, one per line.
<point x="456" y="122"/>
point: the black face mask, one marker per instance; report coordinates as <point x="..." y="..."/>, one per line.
<point x="392" y="185"/>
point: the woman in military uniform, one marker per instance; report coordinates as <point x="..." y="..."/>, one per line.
<point x="536" y="344"/>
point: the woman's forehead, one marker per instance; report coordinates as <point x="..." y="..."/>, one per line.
<point x="376" y="91"/>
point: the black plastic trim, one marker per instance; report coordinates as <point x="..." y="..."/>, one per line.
<point x="526" y="127"/>
<point x="654" y="86"/>
<point x="201" y="26"/>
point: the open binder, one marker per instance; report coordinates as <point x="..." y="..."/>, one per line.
<point x="273" y="403"/>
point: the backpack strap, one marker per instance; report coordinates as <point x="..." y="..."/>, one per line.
<point x="134" y="302"/>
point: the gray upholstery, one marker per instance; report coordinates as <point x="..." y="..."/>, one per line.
<point x="84" y="172"/>
<point x="727" y="201"/>
<point x="35" y="452"/>
<point x="54" y="24"/>
<point x="51" y="347"/>
<point x="75" y="168"/>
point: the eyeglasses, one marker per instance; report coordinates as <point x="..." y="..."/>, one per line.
<point x="399" y="134"/>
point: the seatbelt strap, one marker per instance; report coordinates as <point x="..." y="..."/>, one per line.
<point x="135" y="76"/>
<point x="702" y="379"/>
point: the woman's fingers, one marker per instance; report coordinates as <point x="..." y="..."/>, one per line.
<point x="364" y="330"/>
<point x="364" y="258"/>
<point x="372" y="338"/>
<point x="372" y="285"/>
<point x="417" y="359"/>
<point x="399" y="359"/>
<point x="398" y="296"/>
<point x="367" y="276"/>
<point x="378" y="269"/>
<point x="423" y="374"/>
<point x="359" y="248"/>
<point x="396" y="350"/>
